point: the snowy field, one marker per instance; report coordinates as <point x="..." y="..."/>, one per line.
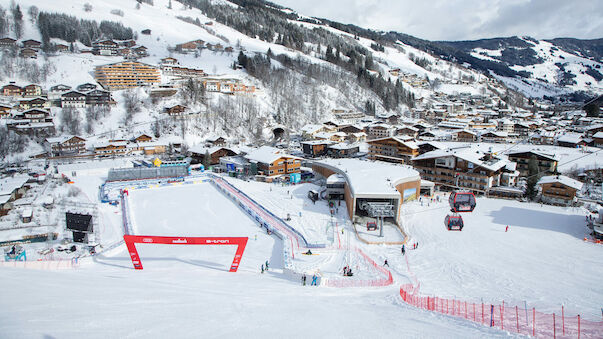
<point x="198" y="210"/>
<point x="542" y="259"/>
<point x="186" y="291"/>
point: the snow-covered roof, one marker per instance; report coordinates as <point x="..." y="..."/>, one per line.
<point x="372" y="178"/>
<point x="409" y="144"/>
<point x="343" y="146"/>
<point x="201" y="149"/>
<point x="598" y="135"/>
<point x="572" y="138"/>
<point x="535" y="152"/>
<point x="311" y="128"/>
<point x="562" y="179"/>
<point x="467" y="154"/>
<point x="9" y="184"/>
<point x="435" y="144"/>
<point x="267" y="155"/>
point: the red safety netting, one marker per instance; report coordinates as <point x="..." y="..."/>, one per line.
<point x="511" y="318"/>
<point x="384" y="281"/>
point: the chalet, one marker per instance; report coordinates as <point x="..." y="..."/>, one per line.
<point x="86" y="87"/>
<point x="35" y="121"/>
<point x="272" y="161"/>
<point x="377" y="131"/>
<point x="169" y="61"/>
<point x="35" y="115"/>
<point x="310" y="131"/>
<point x="32" y="90"/>
<point x="199" y="152"/>
<point x="315" y="148"/>
<point x="4" y="111"/>
<point x="32" y="44"/>
<point x="65" y="145"/>
<point x="521" y="129"/>
<point x="8" y="42"/>
<point x="592" y="130"/>
<point x="570" y="140"/>
<point x="348" y="129"/>
<point x="99" y="97"/>
<point x="547" y="163"/>
<point x="55" y="92"/>
<point x="140" y="51"/>
<point x="152" y="147"/>
<point x="190" y="46"/>
<point x="559" y="189"/>
<point x="598" y="139"/>
<point x="143" y="138"/>
<point x="464" y="136"/>
<point x="127" y="43"/>
<point x="392" y="149"/>
<point x="12" y="90"/>
<point x="38" y="102"/>
<point x="73" y="99"/>
<point x="176" y="110"/>
<point x="216" y="141"/>
<point x="356" y="137"/>
<point x="105" y="47"/>
<point x="464" y="167"/>
<point x="495" y="136"/>
<point x="11" y="189"/>
<point x="407" y="130"/>
<point x="61" y="48"/>
<point x="125" y="52"/>
<point x="111" y="148"/>
<point x="343" y="150"/>
<point x="28" y="53"/>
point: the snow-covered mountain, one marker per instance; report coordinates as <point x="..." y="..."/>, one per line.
<point x="302" y="67"/>
<point x="557" y="65"/>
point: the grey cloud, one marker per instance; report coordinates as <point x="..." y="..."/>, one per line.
<point x="463" y="20"/>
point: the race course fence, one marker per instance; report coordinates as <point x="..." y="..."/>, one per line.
<point x="380" y="282"/>
<point x="515" y="319"/>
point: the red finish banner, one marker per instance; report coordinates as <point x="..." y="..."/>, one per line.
<point x="131" y="240"/>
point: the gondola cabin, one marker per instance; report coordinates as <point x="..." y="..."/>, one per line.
<point x="454" y="222"/>
<point x="462" y="202"/>
<point x="371" y="226"/>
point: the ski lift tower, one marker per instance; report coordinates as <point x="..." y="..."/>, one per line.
<point x="380" y="210"/>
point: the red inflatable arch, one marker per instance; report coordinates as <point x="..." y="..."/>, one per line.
<point x="131" y="240"/>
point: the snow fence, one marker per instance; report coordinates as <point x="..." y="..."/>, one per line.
<point x="511" y="318"/>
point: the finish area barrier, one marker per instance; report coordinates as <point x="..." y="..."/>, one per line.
<point x="131" y="240"/>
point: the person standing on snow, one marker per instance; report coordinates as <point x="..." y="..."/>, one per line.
<point x="385" y="263"/>
<point x="507" y="228"/>
<point x="262" y="268"/>
<point x="304" y="280"/>
<point x="266" y="265"/>
<point x="403" y="250"/>
<point x="314" y="278"/>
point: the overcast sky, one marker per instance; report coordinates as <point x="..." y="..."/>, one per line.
<point x="464" y="19"/>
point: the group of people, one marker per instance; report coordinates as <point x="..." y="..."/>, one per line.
<point x="265" y="269"/>
<point x="314" y="280"/>
<point x="347" y="271"/>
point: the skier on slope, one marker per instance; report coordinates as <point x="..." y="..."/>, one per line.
<point x="266" y="265"/>
<point x="403" y="250"/>
<point x="314" y="280"/>
<point x="507" y="228"/>
<point x="262" y="268"/>
<point x="385" y="263"/>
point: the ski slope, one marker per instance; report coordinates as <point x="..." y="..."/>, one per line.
<point x="542" y="259"/>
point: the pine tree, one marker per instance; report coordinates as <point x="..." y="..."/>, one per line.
<point x="206" y="160"/>
<point x="533" y="177"/>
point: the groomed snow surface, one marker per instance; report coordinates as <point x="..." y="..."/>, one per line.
<point x="187" y="291"/>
